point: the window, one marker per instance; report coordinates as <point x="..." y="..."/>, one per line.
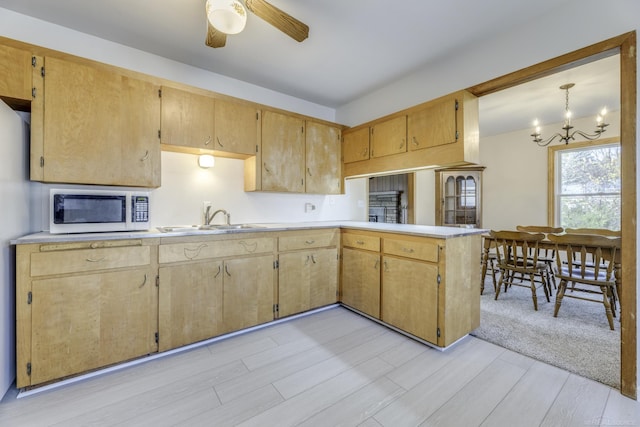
<point x="585" y="192"/>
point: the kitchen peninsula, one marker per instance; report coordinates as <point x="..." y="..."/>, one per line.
<point x="87" y="301"/>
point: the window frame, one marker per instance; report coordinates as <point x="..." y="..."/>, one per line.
<point x="552" y="152"/>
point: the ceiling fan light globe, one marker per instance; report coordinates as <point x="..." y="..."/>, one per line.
<point x="227" y="16"/>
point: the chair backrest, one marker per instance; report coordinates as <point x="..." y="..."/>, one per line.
<point x="586" y="256"/>
<point x="539" y="229"/>
<point x="512" y="245"/>
<point x="596" y="231"/>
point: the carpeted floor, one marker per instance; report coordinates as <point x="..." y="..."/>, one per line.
<point x="578" y="340"/>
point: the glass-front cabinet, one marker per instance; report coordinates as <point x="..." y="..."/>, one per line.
<point x="458" y="196"/>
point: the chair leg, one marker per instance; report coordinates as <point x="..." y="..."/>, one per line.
<point x="500" y="284"/>
<point x="493" y="273"/>
<point x="561" y="289"/>
<point x="546" y="286"/>
<point x="534" y="294"/>
<point x="607" y="306"/>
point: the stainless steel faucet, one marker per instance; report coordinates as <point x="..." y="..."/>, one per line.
<point x="208" y="218"/>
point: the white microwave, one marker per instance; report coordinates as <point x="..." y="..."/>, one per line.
<point x="89" y="211"/>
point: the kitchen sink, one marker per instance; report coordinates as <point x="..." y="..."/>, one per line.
<point x="208" y="227"/>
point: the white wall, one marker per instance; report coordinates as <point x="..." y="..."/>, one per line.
<point x="515" y="178"/>
<point x="185" y="186"/>
<point x="15" y="195"/>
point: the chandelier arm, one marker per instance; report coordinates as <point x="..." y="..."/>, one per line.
<point x="544" y="143"/>
<point x="588" y="136"/>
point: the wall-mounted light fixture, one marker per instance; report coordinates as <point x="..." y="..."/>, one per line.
<point x="206" y="161"/>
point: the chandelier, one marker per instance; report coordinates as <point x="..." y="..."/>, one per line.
<point x="568" y="134"/>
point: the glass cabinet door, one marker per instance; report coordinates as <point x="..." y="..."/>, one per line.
<point x="459" y="198"/>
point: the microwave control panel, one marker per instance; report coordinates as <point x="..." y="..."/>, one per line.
<point x="139" y="208"/>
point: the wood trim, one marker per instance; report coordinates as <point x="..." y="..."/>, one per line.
<point x="626" y="45"/>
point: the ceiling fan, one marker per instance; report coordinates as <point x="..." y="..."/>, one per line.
<point x="229" y="17"/>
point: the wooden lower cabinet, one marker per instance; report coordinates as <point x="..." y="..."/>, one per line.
<point x="410" y="296"/>
<point x="190" y="303"/>
<point x="248" y="295"/>
<point x="425" y="286"/>
<point x="307" y="270"/>
<point x="307" y="280"/>
<point x="68" y="322"/>
<point x="361" y="281"/>
<point x="214" y="285"/>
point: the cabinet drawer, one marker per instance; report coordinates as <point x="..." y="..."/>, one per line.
<point x="62" y="262"/>
<point x="423" y="250"/>
<point x="361" y="241"/>
<point x="308" y="240"/>
<point x="177" y="252"/>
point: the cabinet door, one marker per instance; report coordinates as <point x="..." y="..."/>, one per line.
<point x="248" y="295"/>
<point x="460" y="195"/>
<point x="323" y="277"/>
<point x="408" y="303"/>
<point x="322" y="158"/>
<point x="190" y="303"/>
<point x="187" y="119"/>
<point x="99" y="127"/>
<point x="236" y="128"/>
<point x="283" y="154"/>
<point x="307" y="280"/>
<point x="389" y="137"/>
<point x="294" y="284"/>
<point x="15" y="73"/>
<point x="78" y="322"/>
<point x="435" y="125"/>
<point x="355" y="145"/>
<point x="361" y="281"/>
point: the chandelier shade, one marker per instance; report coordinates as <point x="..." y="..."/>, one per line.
<point x="569" y="133"/>
<point x="227" y="16"/>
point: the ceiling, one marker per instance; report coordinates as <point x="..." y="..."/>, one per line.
<point x="354" y="47"/>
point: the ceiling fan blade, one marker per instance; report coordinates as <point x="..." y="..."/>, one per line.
<point x="279" y="19"/>
<point x="215" y="38"/>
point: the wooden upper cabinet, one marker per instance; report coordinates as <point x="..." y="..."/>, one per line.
<point x="187" y="119"/>
<point x="434" y="125"/>
<point x="322" y="158"/>
<point x="236" y="127"/>
<point x="389" y="137"/>
<point x="15" y="74"/>
<point x="99" y="127"/>
<point x="283" y="152"/>
<point x="355" y="145"/>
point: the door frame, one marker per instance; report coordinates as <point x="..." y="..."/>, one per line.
<point x="625" y="45"/>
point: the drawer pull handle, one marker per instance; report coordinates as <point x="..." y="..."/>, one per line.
<point x="309" y="242"/>
<point x="193" y="253"/>
<point x="219" y="143"/>
<point x="249" y="247"/>
<point x="208" y="140"/>
<point x="375" y="266"/>
<point x="408" y="250"/>
<point x="95" y="260"/>
<point x="145" y="157"/>
<point x="309" y="171"/>
<point x="415" y="141"/>
<point x="266" y="168"/>
<point x="306" y="261"/>
<point x="386" y="266"/>
<point x="144" y="282"/>
<point x="218" y="273"/>
<point x="226" y="270"/>
<point x="360" y="242"/>
<point x="313" y="259"/>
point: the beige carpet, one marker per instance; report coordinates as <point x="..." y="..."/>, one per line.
<point x="578" y="340"/>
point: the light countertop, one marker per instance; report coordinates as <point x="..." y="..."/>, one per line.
<point x="419" y="230"/>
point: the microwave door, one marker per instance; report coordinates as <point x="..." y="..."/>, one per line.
<point x="81" y="213"/>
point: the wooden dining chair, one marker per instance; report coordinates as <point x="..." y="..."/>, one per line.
<point x="546" y="255"/>
<point x="488" y="261"/>
<point x="592" y="270"/>
<point x="512" y="247"/>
